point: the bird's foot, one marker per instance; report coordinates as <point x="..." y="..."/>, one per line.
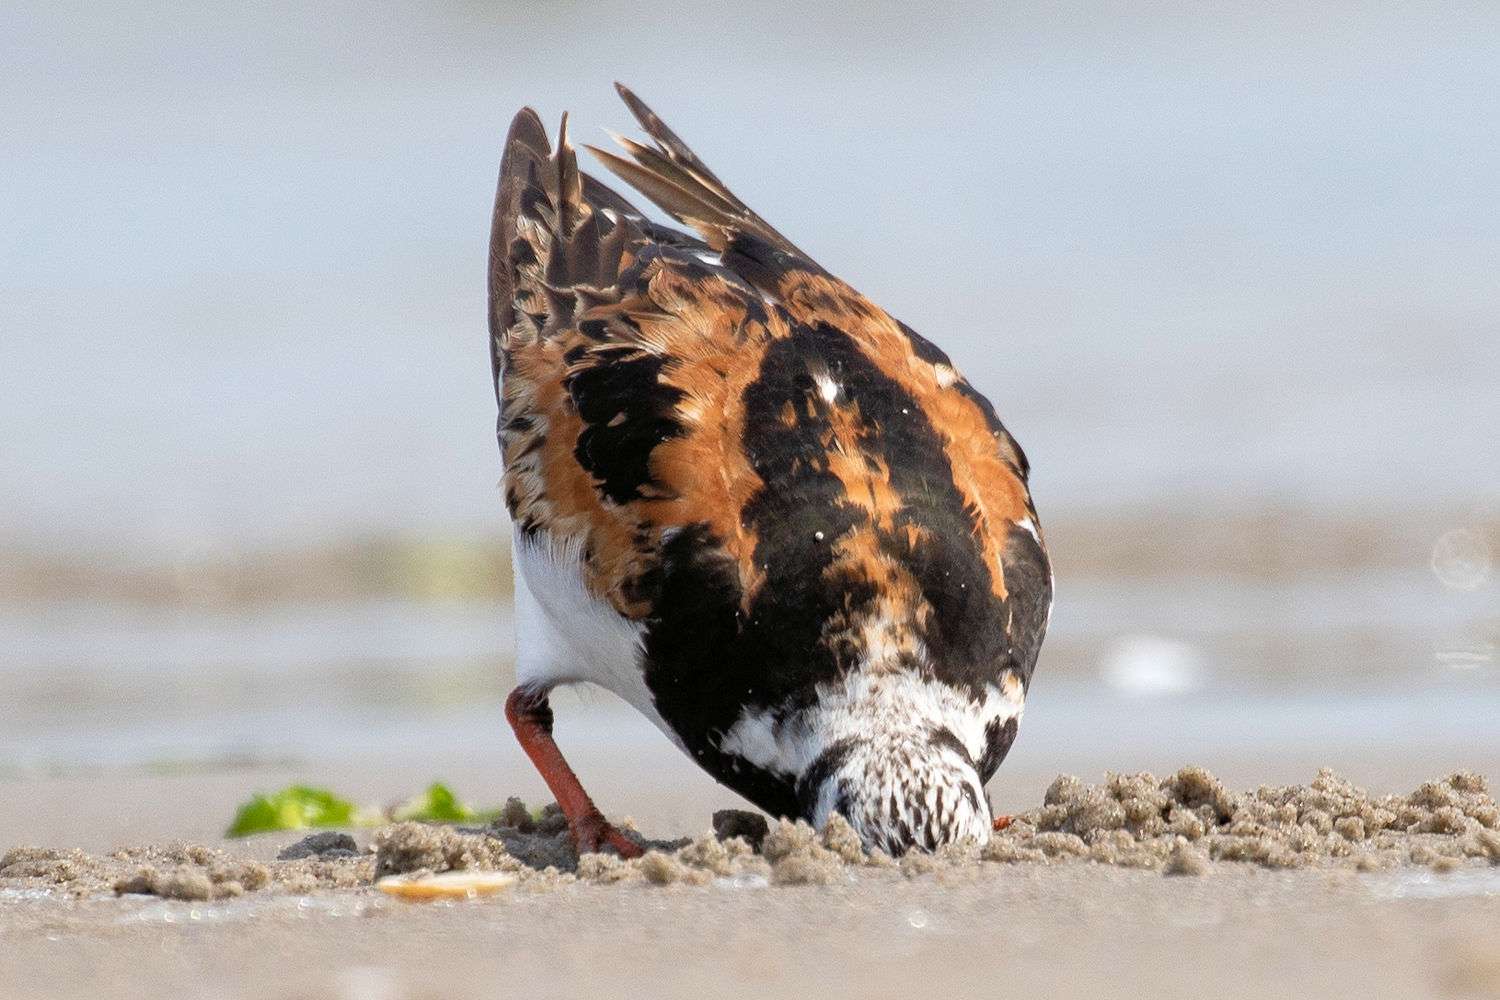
<point x="593" y="833"/>
<point x="1001" y="822"/>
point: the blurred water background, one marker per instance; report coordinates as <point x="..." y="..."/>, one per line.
<point x="1228" y="274"/>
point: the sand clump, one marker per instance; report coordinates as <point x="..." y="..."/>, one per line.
<point x="790" y="854"/>
<point x="414" y="847"/>
<point x="799" y="855"/>
<point x="696" y="862"/>
<point x="1185" y="824"/>
<point x="539" y="852"/>
<point x="1186" y="860"/>
<point x="1137" y="820"/>
<point x="175" y="871"/>
<point x="192" y="882"/>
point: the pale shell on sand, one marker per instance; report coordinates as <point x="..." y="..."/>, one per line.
<point x="446" y="885"/>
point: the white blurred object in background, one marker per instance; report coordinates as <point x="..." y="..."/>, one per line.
<point x="1462" y="560"/>
<point x="1150" y="666"/>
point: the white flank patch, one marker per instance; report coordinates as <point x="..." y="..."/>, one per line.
<point x="1027" y="525"/>
<point x="565" y="635"/>
<point x="755" y="737"/>
<point x="946" y="376"/>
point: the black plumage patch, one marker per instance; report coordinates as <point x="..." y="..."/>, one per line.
<point x="827" y="764"/>
<point x="626" y="412"/>
<point x="931" y="353"/>
<point x="923" y="348"/>
<point x="701" y="661"/>
<point x="708" y="660"/>
<point x="761" y="263"/>
<point x="521" y="254"/>
<point x="965" y="635"/>
<point x="1028" y="578"/>
<point x="535" y="204"/>
<point x="998" y="737"/>
<point x="942" y="736"/>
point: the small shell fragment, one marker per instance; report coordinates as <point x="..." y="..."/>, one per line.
<point x="447" y="885"/>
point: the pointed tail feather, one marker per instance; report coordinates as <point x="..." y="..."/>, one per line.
<point x="681" y="184"/>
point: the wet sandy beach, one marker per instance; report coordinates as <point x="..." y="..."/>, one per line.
<point x="129" y="728"/>
<point x="1072" y="931"/>
<point x="1063" y="926"/>
<point x="142" y="727"/>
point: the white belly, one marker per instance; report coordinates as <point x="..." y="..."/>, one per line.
<point x="564" y="635"/>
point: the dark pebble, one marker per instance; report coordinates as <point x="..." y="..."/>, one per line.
<point x="739" y="823"/>
<point x="327" y="844"/>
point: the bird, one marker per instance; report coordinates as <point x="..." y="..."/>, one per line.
<point x="751" y="503"/>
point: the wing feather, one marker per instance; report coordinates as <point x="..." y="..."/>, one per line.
<point x="526" y="154"/>
<point x="673" y="177"/>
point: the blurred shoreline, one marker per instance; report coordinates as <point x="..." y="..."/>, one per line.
<point x="1263" y="544"/>
<point x="1183" y="608"/>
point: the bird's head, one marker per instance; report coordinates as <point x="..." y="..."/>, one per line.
<point x="913" y="789"/>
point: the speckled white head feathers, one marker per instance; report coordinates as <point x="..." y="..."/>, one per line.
<point x="910" y="792"/>
<point x="899" y="756"/>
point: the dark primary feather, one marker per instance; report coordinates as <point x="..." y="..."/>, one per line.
<point x="680" y="183"/>
<point x="658" y="130"/>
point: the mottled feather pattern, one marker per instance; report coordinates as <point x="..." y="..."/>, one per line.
<point x="783" y="486"/>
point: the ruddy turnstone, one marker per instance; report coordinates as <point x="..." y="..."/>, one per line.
<point x="751" y="503"/>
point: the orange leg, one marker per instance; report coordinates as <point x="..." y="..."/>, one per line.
<point x="1003" y="822"/>
<point x="530" y="716"/>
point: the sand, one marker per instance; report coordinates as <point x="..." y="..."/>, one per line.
<point x="177" y="871"/>
<point x="1185" y="824"/>
<point x="1133" y="885"/>
<point x="1139" y="821"/>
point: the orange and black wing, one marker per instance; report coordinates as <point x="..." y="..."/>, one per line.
<point x="621" y="350"/>
<point x="778" y="480"/>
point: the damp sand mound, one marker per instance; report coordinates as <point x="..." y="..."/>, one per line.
<point x="1181" y="822"/>
<point x="1186" y="824"/>
<point x="1179" y="825"/>
<point x="178" y="871"/>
